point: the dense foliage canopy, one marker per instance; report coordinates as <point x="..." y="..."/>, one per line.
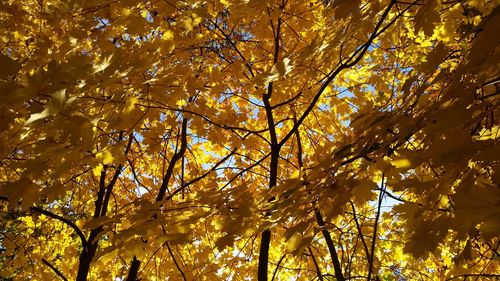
<point x="249" y="139"/>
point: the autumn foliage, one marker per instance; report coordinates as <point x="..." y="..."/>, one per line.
<point x="249" y="140"/>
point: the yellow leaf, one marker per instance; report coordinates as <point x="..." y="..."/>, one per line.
<point x="105" y="157"/>
<point x="364" y="191"/>
<point x="130" y="104"/>
<point x="167" y="35"/>
<point x="55" y="104"/>
<point x="98" y="222"/>
<point x="279" y="70"/>
<point x="293" y="243"/>
<point x="103" y="64"/>
<point x="97" y="170"/>
<point x="125" y="12"/>
<point x="427" y="17"/>
<point x="401" y="163"/>
<point x="181" y="103"/>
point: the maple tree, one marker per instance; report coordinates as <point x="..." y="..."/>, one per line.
<point x="249" y="139"/>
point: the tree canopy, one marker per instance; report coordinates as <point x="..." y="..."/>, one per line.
<point x="249" y="140"/>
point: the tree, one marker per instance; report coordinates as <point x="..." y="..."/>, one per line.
<point x="243" y="140"/>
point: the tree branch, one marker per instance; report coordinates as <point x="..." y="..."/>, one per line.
<point x="474" y="275"/>
<point x="358" y="226"/>
<point x="277" y="267"/>
<point x="374" y="236"/>
<point x="111" y="184"/>
<point x="318" y="270"/>
<point x="185" y="185"/>
<point x="56" y="271"/>
<point x="331" y="247"/>
<point x="177" y="156"/>
<point x="175" y="262"/>
<point x="275" y="154"/>
<point x="64" y="220"/>
<point x="350" y="62"/>
<point x="134" y="268"/>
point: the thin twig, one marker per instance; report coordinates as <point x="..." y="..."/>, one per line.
<point x="175" y="261"/>
<point x="56" y="271"/>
